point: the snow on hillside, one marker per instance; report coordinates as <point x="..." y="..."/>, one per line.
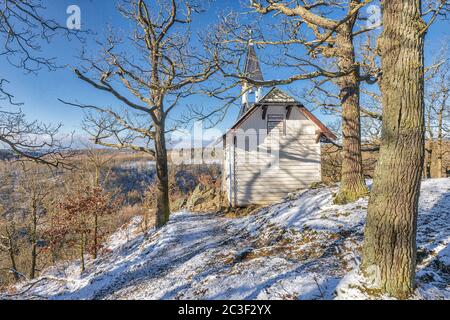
<point x="302" y="248"/>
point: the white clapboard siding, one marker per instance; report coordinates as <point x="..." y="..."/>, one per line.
<point x="274" y="183"/>
<point x="293" y="164"/>
<point x="245" y="200"/>
<point x="281" y="174"/>
<point x="265" y="181"/>
<point x="305" y="159"/>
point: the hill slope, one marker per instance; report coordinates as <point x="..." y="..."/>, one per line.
<point x="302" y="248"/>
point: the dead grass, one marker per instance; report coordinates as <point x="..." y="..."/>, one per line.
<point x="234" y="213"/>
<point x="373" y="293"/>
<point x="286" y="243"/>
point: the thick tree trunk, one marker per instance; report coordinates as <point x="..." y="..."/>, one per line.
<point x="162" y="174"/>
<point x="390" y="235"/>
<point x="352" y="178"/>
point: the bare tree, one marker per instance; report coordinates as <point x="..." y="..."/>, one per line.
<point x="34" y="187"/>
<point x="74" y="223"/>
<point x="8" y="244"/>
<point x="9" y="231"/>
<point x="99" y="165"/>
<point x="23" y="30"/>
<point x="390" y="233"/>
<point x="149" y="84"/>
<point x="437" y="124"/>
<point x="33" y="141"/>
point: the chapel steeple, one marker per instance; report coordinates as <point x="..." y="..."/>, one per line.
<point x="252" y="70"/>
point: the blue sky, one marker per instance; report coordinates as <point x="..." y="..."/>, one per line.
<point x="39" y="92"/>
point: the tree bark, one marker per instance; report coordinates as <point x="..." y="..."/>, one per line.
<point x="352" y="178"/>
<point x="439" y="159"/>
<point x="13" y="264"/>
<point x="95" y="236"/>
<point x="12" y="255"/>
<point x="162" y="172"/>
<point x="435" y="167"/>
<point x="429" y="145"/>
<point x="33" y="253"/>
<point x="82" y="247"/>
<point x="439" y="151"/>
<point x="33" y="261"/>
<point x="97" y="185"/>
<point x="390" y="234"/>
<point x="427" y="160"/>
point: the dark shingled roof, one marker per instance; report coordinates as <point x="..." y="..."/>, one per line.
<point x="252" y="69"/>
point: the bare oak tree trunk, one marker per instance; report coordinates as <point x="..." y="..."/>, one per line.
<point x="162" y="173"/>
<point x="390" y="235"/>
<point x="352" y="179"/>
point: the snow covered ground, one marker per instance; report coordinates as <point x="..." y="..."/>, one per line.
<point x="301" y="248"/>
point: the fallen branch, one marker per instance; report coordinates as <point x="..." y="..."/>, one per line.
<point x="33" y="284"/>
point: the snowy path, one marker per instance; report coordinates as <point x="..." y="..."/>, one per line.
<point x="302" y="248"/>
<point x="185" y="239"/>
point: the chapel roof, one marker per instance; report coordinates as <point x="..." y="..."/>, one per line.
<point x="276" y="96"/>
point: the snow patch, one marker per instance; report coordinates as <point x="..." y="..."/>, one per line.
<point x="304" y="247"/>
